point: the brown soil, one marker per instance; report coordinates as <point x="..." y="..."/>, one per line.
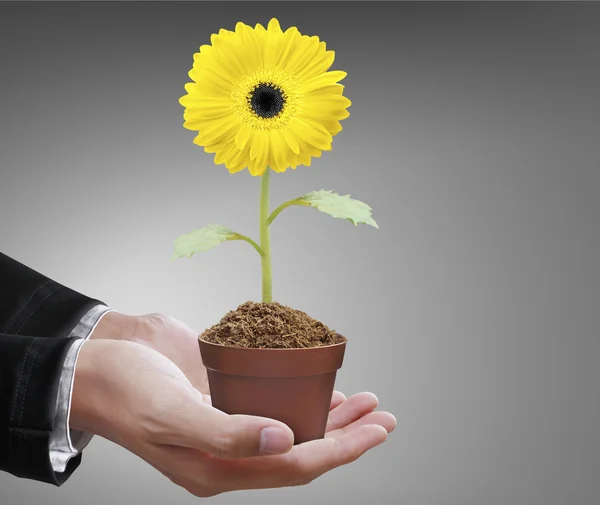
<point x="269" y="325"/>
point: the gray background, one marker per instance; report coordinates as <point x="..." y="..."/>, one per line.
<point x="472" y="312"/>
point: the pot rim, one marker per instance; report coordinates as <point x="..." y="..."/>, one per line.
<point x="275" y="362"/>
<point x="278" y="349"/>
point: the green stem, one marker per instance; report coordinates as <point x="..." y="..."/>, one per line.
<point x="265" y="239"/>
<point x="277" y="211"/>
<point x="238" y="236"/>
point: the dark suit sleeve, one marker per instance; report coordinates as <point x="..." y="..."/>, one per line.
<point x="36" y="317"/>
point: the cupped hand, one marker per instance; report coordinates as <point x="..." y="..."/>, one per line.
<point x="171" y="338"/>
<point x="354" y="427"/>
<point x="164" y="334"/>
<point x="139" y="399"/>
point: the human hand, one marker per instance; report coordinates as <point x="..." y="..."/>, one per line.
<point x="171" y="338"/>
<point x="353" y="428"/>
<point x="137" y="398"/>
<point x="164" y="334"/>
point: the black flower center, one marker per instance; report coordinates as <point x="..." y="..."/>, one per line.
<point x="266" y="100"/>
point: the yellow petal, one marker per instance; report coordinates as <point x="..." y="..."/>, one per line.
<point x="306" y="49"/>
<point x="237" y="168"/>
<point x="232" y="53"/>
<point x="206" y="113"/>
<point x="274" y="27"/>
<point x="222" y="154"/>
<point x="279" y="151"/>
<point x="312" y="133"/>
<point x="253" y="49"/>
<point x="243" y="135"/>
<point x="199" y="100"/>
<point x="255" y="168"/>
<point x="213" y="148"/>
<point x="237" y="159"/>
<point x="259" y="150"/>
<point x="326" y="79"/>
<point x="320" y="64"/>
<point x="291" y="140"/>
<point x="200" y="124"/>
<point x="225" y="33"/>
<point x="273" y="42"/>
<point x="307" y="150"/>
<point x="333" y="127"/>
<point x="218" y="130"/>
<point x="288" y="45"/>
<point x="334" y="89"/>
<point x="229" y="155"/>
<point x="207" y="60"/>
<point x="332" y="106"/>
<point x="207" y="88"/>
<point x="330" y="124"/>
<point x="206" y="78"/>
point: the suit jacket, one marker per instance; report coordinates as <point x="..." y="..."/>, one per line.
<point x="36" y="318"/>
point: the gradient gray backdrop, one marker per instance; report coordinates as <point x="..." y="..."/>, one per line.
<point x="472" y="313"/>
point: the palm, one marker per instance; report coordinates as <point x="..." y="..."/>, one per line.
<point x="160" y="393"/>
<point x="353" y="428"/>
<point x="349" y="433"/>
<point x="177" y="342"/>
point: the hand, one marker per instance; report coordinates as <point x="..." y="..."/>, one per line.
<point x="174" y="340"/>
<point x="353" y="428"/>
<point x="137" y="398"/>
<point x="165" y="334"/>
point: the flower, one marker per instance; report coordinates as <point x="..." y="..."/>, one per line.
<point x="264" y="98"/>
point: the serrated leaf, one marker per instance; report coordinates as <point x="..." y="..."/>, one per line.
<point x="339" y="206"/>
<point x="201" y="240"/>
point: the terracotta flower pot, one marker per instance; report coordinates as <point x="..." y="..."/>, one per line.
<point x="293" y="386"/>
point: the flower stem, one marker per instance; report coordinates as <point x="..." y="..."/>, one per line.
<point x="238" y="236"/>
<point x="265" y="239"/>
<point x="277" y="211"/>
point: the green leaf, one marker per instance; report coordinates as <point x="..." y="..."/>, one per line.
<point x="201" y="240"/>
<point x="338" y="206"/>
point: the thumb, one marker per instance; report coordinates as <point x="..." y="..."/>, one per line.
<point x="231" y="436"/>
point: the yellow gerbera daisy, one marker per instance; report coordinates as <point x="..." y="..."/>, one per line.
<point x="264" y="98"/>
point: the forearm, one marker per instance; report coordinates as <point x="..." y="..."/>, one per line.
<point x="42" y="326"/>
<point x="96" y="393"/>
<point x="66" y="443"/>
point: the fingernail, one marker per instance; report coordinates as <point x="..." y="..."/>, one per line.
<point x="274" y="440"/>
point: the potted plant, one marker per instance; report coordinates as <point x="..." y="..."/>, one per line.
<point x="264" y="100"/>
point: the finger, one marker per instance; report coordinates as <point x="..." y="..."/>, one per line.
<point x="352" y="409"/>
<point x="304" y="463"/>
<point x="337" y="399"/>
<point x="385" y="419"/>
<point x="315" y="458"/>
<point x="202" y="427"/>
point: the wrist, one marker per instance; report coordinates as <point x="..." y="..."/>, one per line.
<point x="115" y="326"/>
<point x="91" y="409"/>
<point x="84" y="401"/>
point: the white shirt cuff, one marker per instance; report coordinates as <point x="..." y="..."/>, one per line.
<point x="66" y="443"/>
